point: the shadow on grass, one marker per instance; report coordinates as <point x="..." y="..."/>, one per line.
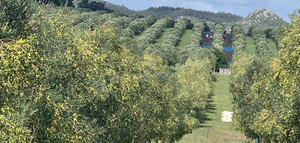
<point x="202" y="115"/>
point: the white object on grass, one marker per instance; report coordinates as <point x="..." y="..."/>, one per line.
<point x="226" y="116"/>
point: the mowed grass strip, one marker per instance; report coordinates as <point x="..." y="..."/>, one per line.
<point x="272" y="46"/>
<point x="185" y="38"/>
<point x="214" y="130"/>
<point x="250" y="47"/>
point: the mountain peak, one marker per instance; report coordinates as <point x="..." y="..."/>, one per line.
<point x="264" y="18"/>
<point x="263" y="13"/>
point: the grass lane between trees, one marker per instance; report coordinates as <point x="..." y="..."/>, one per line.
<point x="215" y="131"/>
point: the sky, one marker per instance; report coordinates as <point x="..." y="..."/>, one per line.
<point x="240" y="7"/>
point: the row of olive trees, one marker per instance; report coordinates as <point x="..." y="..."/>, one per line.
<point x="168" y="49"/>
<point x="245" y="71"/>
<point x="275" y="34"/>
<point x="239" y="38"/>
<point x="260" y="41"/>
<point x="152" y="33"/>
<point x="137" y="26"/>
<point x="88" y="20"/>
<point x="195" y="80"/>
<point x="217" y="45"/>
<point x="176" y="32"/>
<point x="218" y="40"/>
<point x="118" y="23"/>
<point x="197" y="34"/>
<point x="266" y="89"/>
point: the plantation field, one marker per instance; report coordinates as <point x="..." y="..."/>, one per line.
<point x="215" y="131"/>
<point x="91" y="74"/>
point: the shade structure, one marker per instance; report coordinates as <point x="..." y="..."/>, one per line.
<point x="205" y="46"/>
<point x="228" y="49"/>
<point x="209" y="33"/>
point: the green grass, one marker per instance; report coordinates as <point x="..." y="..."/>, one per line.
<point x="185" y="38"/>
<point x="216" y="131"/>
<point x="250" y="48"/>
<point x="164" y="35"/>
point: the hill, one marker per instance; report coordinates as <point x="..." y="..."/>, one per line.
<point x="263" y="18"/>
<point x="174" y="13"/>
<point x="118" y="8"/>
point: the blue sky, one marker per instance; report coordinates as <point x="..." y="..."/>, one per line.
<point x="240" y="7"/>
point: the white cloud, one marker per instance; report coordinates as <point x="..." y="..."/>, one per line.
<point x="158" y="3"/>
<point x="199" y="5"/>
<point x="233" y="1"/>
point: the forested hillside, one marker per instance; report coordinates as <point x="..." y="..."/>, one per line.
<point x="263" y="18"/>
<point x="174" y="13"/>
<point x="89" y="74"/>
<point x="161" y="12"/>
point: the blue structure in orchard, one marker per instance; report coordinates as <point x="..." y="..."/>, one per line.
<point x="206" y="43"/>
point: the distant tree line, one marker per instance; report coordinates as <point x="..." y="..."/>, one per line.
<point x="93" y="5"/>
<point x="162" y="12"/>
<point x="58" y="2"/>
